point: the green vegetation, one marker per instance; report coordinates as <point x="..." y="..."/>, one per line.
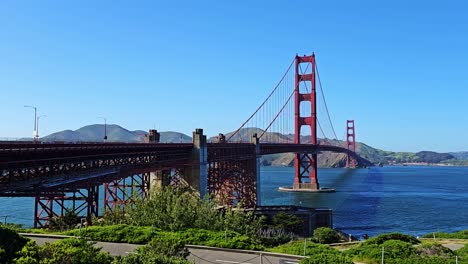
<point x="10" y="243"/>
<point x="179" y="209"/>
<point x="326" y="235"/>
<point x="19" y="250"/>
<point x="457" y="235"/>
<point x="143" y="235"/>
<point x="399" y="248"/>
<point x="318" y="253"/>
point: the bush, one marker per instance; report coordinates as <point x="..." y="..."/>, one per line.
<point x="372" y="252"/>
<point x="297" y="248"/>
<point x="287" y="222"/>
<point x="29" y="254"/>
<point x="456" y="235"/>
<point x="428" y="249"/>
<point x="418" y="260"/>
<point x="326" y="258"/>
<point x="326" y="235"/>
<point x="163" y="250"/>
<point x="10" y="243"/>
<point x="143" y="235"/>
<point x="73" y="251"/>
<point x="318" y="253"/>
<point x="68" y="221"/>
<point x="176" y="209"/>
<point x="380" y="239"/>
<point x="116" y="233"/>
<point x="272" y="237"/>
<point x="462" y="253"/>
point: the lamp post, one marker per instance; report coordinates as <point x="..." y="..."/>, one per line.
<point x="105" y="128"/>
<point x="35" y="121"/>
<point x="37" y="125"/>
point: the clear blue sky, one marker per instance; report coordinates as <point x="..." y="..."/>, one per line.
<point x="399" y="68"/>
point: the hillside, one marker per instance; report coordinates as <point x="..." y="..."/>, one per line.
<point x="462" y="155"/>
<point x="115" y="133"/>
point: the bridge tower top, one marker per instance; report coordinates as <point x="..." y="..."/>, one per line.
<point x="350" y="143"/>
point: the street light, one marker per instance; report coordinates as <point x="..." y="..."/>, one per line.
<point x="105" y="128"/>
<point x="35" y="120"/>
<point x="37" y="125"/>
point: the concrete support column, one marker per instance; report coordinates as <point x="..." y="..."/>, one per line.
<point x="255" y="140"/>
<point x="159" y="179"/>
<point x="196" y="175"/>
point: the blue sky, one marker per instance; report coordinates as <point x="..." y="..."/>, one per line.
<point x="399" y="69"/>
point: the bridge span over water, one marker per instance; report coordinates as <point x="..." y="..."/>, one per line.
<point x="68" y="176"/>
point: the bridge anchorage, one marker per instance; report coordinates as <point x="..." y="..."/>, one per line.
<point x="91" y="179"/>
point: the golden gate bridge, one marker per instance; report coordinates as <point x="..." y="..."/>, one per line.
<point x="65" y="177"/>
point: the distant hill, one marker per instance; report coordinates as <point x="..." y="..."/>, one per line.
<point x="115" y="133"/>
<point x="462" y="155"/>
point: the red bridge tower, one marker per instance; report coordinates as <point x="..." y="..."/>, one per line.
<point x="305" y="164"/>
<point x="350" y="143"/>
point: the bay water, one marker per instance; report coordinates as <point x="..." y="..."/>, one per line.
<point x="414" y="200"/>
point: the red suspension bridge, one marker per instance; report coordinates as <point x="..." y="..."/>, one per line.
<point x="67" y="176"/>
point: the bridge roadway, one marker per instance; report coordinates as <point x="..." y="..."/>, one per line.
<point x="25" y="167"/>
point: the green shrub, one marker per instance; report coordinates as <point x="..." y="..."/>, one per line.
<point x="326" y="235"/>
<point x="318" y="253"/>
<point x="164" y="249"/>
<point x="380" y="239"/>
<point x="175" y="210"/>
<point x="462" y="253"/>
<point x="429" y="248"/>
<point x="418" y="260"/>
<point x="73" y="251"/>
<point x="69" y="220"/>
<point x="372" y="252"/>
<point x="327" y="258"/>
<point x="456" y="235"/>
<point x="297" y="248"/>
<point x="143" y="235"/>
<point x="272" y="237"/>
<point x="10" y="243"/>
<point x="29" y="254"/>
<point x="287" y="222"/>
<point x="116" y="233"/>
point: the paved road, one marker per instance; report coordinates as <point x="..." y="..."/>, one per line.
<point x="197" y="255"/>
<point x="115" y="249"/>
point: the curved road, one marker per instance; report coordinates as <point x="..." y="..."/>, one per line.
<point x="198" y="254"/>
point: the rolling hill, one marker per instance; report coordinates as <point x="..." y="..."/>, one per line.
<point x="115" y="133"/>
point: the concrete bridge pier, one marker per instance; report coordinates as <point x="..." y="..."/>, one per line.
<point x="159" y="178"/>
<point x="196" y="173"/>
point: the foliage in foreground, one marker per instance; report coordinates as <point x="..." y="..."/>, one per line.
<point x="10" y="243"/>
<point x="170" y="251"/>
<point x="326" y="235"/>
<point x="456" y="235"/>
<point x="143" y="235"/>
<point x="167" y="250"/>
<point x="399" y="248"/>
<point x="318" y="253"/>
<point x="179" y="209"/>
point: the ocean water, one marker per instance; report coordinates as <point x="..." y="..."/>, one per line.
<point x="414" y="200"/>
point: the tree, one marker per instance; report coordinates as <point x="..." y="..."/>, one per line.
<point x="326" y="235"/>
